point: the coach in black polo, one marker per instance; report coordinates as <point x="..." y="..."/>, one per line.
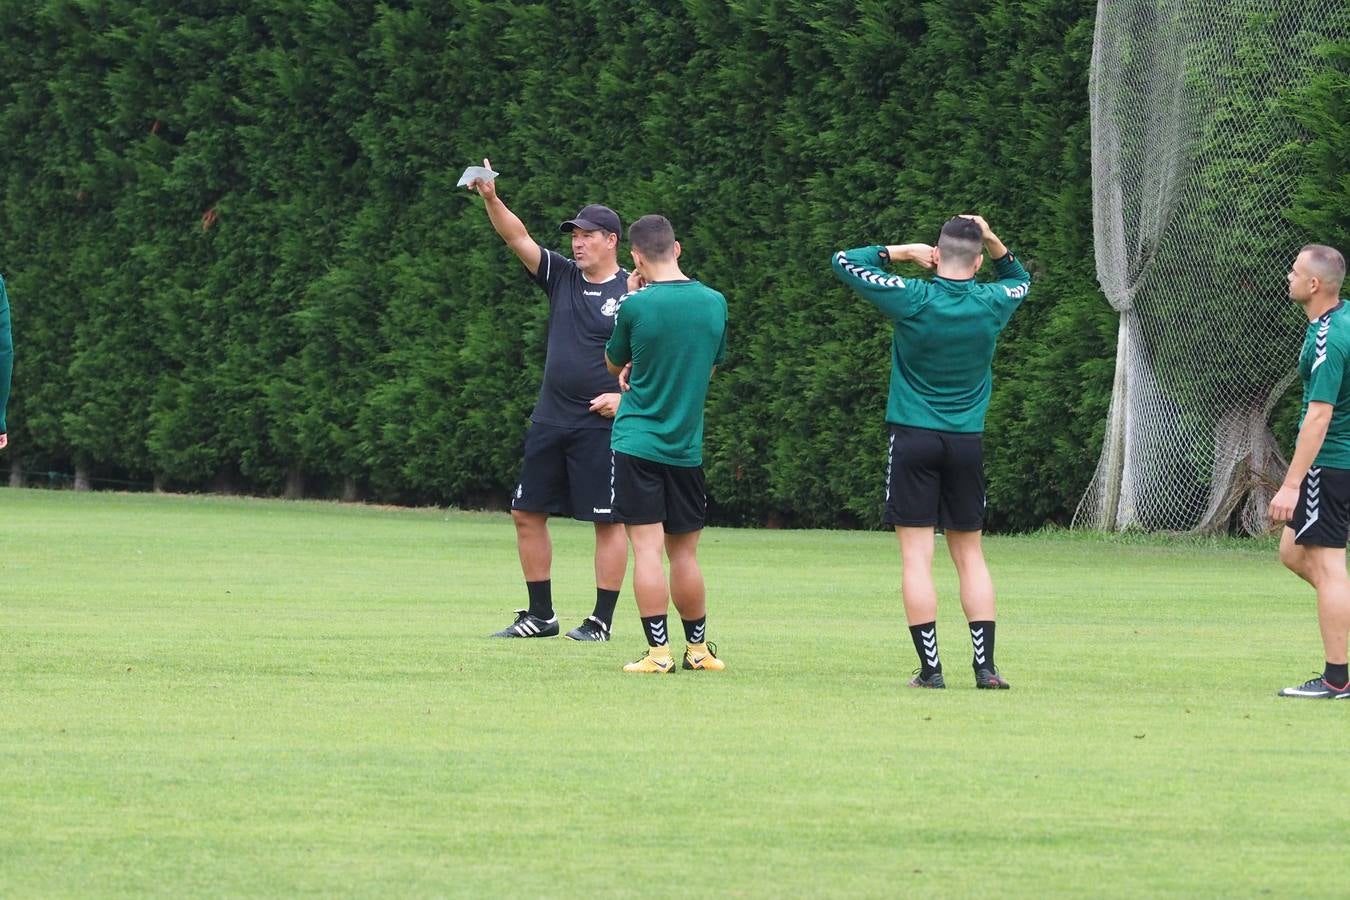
<point x="568" y="466"/>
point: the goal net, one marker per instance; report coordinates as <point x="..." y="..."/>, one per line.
<point x="1194" y="162"/>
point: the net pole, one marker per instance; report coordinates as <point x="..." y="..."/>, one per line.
<point x="1115" y="431"/>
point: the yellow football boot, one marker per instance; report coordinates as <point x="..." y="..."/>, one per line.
<point x="658" y="661"/>
<point x="702" y="657"/>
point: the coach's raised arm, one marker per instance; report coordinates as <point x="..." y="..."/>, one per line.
<point x="506" y="223"/>
<point x="566" y="467"/>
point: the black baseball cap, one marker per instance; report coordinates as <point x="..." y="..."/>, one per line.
<point x="595" y="218"/>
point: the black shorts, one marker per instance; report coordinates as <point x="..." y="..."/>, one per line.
<point x="1322" y="514"/>
<point x="935" y="478"/>
<point x="647" y="492"/>
<point x="567" y="472"/>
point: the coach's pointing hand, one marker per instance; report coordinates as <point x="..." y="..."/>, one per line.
<point x="486" y="187"/>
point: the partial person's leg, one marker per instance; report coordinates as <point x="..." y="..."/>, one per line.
<point x="611" y="562"/>
<point x="591" y="481"/>
<point x="686" y="514"/>
<point x="535" y="548"/>
<point x="687" y="589"/>
<point x="690" y="595"/>
<point x="611" y="556"/>
<point x="916" y="573"/>
<point x="536" y="556"/>
<point x="920" y="597"/>
<point x="962" y="517"/>
<point x="977" y="587"/>
<point x="649" y="576"/>
<point x="1312" y="546"/>
<point x="1326" y="570"/>
<point x="1294" y="557"/>
<point x="653" y="597"/>
<point x="541" y="491"/>
<point x="533" y="544"/>
<point x="977" y="599"/>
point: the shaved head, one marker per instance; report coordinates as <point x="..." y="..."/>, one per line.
<point x="1326" y="264"/>
<point x="961" y="242"/>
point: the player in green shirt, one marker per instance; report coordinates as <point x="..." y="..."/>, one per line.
<point x="6" y="362"/>
<point x="942" y="348"/>
<point x="671" y="333"/>
<point x="1315" y="496"/>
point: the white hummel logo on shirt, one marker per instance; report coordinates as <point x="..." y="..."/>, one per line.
<point x="592" y="293"/>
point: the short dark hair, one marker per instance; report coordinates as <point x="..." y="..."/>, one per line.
<point x="1327" y="263"/>
<point x="653" y="237"/>
<point x="961" y="241"/>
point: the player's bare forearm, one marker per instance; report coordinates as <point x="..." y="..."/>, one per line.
<point x="1310" y="438"/>
<point x="512" y="232"/>
<point x="996" y="247"/>
<point x="915" y="253"/>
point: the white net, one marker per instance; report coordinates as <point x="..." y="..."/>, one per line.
<point x="1192" y="170"/>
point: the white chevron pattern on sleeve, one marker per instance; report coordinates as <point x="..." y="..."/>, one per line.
<point x="867" y="275"/>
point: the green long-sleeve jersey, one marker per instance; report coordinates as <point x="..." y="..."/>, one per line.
<point x="944" y="336"/>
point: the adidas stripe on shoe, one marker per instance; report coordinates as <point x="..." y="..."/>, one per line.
<point x="528" y="626"/>
<point x="590" y="630"/>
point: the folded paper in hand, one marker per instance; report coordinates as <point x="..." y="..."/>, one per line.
<point x="472" y="173"/>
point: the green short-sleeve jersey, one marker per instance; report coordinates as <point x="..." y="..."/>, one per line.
<point x="673" y="332"/>
<point x="1322" y="365"/>
<point x="6" y="354"/>
<point x="945" y="332"/>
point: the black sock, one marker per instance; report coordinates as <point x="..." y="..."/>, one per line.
<point x="1335" y="673"/>
<point x="925" y="643"/>
<point x="604" y="605"/>
<point x="655" y="629"/>
<point x="541" y="598"/>
<point x="982" y="641"/>
<point x="694" y="629"/>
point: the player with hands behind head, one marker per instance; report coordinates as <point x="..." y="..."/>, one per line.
<point x="942" y="346"/>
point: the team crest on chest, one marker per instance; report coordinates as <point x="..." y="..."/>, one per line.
<point x="611" y="307"/>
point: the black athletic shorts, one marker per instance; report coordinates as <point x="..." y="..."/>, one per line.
<point x="567" y="472"/>
<point x="647" y="492"/>
<point x="935" y="478"/>
<point x="1322" y="514"/>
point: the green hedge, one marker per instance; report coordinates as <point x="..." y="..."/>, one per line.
<point x="236" y="254"/>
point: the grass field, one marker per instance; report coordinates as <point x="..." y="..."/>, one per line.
<point x="209" y="696"/>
